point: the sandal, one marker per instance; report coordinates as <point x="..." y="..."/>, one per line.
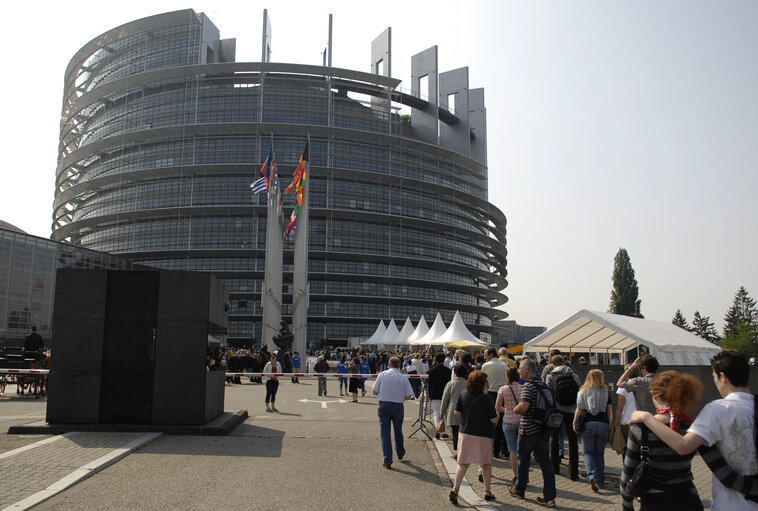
<point x="481" y="478"/>
<point x="489" y="496"/>
<point x="453" y="497"/>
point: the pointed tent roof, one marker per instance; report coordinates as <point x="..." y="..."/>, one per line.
<point x="405" y="332"/>
<point x="390" y="335"/>
<point x="438" y="328"/>
<point x="421" y="329"/>
<point x="457" y="331"/>
<point x="602" y="332"/>
<point x="378" y="333"/>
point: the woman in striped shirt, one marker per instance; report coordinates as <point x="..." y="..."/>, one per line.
<point x="671" y="485"/>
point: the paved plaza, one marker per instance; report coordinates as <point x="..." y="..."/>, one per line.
<point x="318" y="452"/>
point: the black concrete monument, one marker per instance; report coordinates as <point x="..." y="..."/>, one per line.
<point x="130" y="347"/>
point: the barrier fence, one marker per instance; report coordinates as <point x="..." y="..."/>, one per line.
<point x="252" y="375"/>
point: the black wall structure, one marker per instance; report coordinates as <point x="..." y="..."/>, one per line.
<point x="162" y="134"/>
<point x="131" y="348"/>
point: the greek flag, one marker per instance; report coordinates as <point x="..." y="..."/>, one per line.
<point x="259" y="186"/>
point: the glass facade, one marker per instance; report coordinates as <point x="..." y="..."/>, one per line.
<point x="159" y="144"/>
<point x="27" y="280"/>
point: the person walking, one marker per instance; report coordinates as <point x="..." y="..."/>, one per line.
<point x="412" y="370"/>
<point x="595" y="402"/>
<point x="342" y="369"/>
<point x="640" y="386"/>
<point x="508" y="397"/>
<point x="723" y="427"/>
<point x="355" y="384"/>
<point x="452" y="391"/>
<point x="439" y="377"/>
<point x="624" y="409"/>
<point x="476" y="409"/>
<point x="272" y="384"/>
<point x="321" y="367"/>
<point x="392" y="389"/>
<point x="365" y="368"/>
<point x="295" y="366"/>
<point x="533" y="437"/>
<point x="495" y="370"/>
<point x="564" y="384"/>
<point x="671" y="486"/>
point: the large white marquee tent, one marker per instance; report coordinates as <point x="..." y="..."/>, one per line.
<point x="602" y="332"/>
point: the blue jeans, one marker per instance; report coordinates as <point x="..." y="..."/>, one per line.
<point x="594" y="438"/>
<point x="537" y="443"/>
<point x="391" y="413"/>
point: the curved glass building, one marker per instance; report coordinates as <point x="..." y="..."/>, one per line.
<point x="162" y="133"/>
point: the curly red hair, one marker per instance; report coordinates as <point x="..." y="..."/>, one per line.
<point x="681" y="392"/>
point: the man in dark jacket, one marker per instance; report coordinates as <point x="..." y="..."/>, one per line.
<point x="439" y="376"/>
<point x="33" y="344"/>
<point x="321" y="367"/>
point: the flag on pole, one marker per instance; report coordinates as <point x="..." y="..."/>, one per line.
<point x="298" y="186"/>
<point x="269" y="165"/>
<point x="258" y="186"/>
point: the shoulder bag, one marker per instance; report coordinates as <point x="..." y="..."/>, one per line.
<point x="640" y="482"/>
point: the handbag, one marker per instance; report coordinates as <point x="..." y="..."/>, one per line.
<point x="440" y="426"/>
<point x="617" y="440"/>
<point x="640" y="481"/>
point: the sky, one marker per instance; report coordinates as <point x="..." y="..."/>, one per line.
<point x="610" y="124"/>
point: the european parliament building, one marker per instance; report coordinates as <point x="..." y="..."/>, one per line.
<point x="162" y="133"/>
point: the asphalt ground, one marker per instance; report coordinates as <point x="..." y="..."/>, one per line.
<point x="317" y="452"/>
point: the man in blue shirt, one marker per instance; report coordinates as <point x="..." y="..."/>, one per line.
<point x="365" y="368"/>
<point x="392" y="389"/>
<point x="296" y="366"/>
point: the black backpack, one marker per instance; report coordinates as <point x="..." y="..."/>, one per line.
<point x="545" y="414"/>
<point x="566" y="388"/>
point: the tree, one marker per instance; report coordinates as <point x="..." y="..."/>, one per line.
<point x="743" y="339"/>
<point x="742" y="312"/>
<point x="680" y="321"/>
<point x="702" y="326"/>
<point x="625" y="291"/>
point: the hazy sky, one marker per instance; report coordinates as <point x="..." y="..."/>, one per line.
<point x="610" y="124"/>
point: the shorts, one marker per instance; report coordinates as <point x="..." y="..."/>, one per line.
<point x="511" y="436"/>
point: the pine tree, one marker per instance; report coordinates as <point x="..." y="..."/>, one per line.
<point x="742" y="312"/>
<point x="625" y="291"/>
<point x="702" y="326"/>
<point x="680" y="321"/>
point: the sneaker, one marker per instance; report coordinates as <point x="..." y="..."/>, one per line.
<point x="548" y="503"/>
<point x="593" y="484"/>
<point x="513" y="493"/>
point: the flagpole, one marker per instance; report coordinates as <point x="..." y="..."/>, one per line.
<point x="300" y="272"/>
<point x="271" y="300"/>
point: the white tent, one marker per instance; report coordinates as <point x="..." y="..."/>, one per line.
<point x="378" y="333"/>
<point x="601" y="332"/>
<point x="389" y="336"/>
<point x="457" y="331"/>
<point x="405" y="332"/>
<point x="438" y="328"/>
<point x="421" y="329"/>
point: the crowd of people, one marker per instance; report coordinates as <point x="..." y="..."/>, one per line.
<point x="494" y="407"/>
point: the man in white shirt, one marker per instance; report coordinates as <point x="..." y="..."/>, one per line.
<point x="725" y="423"/>
<point x="392" y="389"/>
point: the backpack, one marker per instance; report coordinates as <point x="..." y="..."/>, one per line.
<point x="545" y="413"/>
<point x="566" y="388"/>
